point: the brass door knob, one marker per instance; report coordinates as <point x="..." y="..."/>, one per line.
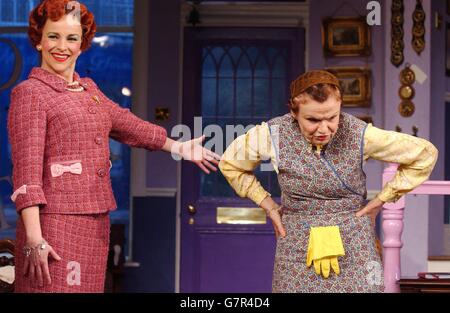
<point x="192" y="210"/>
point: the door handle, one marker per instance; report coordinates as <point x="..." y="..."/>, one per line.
<point x="191" y="210"/>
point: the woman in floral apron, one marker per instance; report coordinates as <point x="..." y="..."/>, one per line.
<point x="325" y="229"/>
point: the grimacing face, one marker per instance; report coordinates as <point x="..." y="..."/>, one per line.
<point x="61" y="46"/>
<point x="318" y="122"/>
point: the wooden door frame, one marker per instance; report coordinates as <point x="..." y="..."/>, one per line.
<point x="192" y="37"/>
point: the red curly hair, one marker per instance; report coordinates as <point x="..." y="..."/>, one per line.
<point x="55" y="10"/>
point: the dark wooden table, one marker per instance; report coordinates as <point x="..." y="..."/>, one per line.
<point x="420" y="285"/>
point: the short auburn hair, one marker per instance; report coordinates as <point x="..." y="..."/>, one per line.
<point x="319" y="93"/>
<point x="55" y="10"/>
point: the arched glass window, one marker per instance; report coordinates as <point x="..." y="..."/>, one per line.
<point x="242" y="85"/>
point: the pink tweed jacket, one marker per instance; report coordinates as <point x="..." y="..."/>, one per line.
<point x="60" y="146"/>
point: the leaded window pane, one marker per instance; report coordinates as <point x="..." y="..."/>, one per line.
<point x="241" y="85"/>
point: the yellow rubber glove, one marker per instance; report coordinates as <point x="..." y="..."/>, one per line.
<point x="323" y="266"/>
<point x="324" y="247"/>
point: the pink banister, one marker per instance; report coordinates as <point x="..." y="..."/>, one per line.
<point x="392" y="226"/>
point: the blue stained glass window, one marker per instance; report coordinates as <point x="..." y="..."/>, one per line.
<point x="26" y="59"/>
<point x="242" y="85"/>
<point x="14" y="50"/>
<point x="107" y="13"/>
<point x="111" y="12"/>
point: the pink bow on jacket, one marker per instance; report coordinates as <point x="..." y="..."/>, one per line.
<point x="59" y="169"/>
<point x="22" y="190"/>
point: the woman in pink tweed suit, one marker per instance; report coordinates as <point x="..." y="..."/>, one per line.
<point x="58" y="127"/>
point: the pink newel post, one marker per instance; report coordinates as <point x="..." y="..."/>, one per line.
<point x="392" y="225"/>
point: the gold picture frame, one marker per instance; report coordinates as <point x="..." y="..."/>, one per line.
<point x="356" y="85"/>
<point x="346" y="36"/>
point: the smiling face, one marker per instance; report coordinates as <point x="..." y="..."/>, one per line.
<point x="61" y="46"/>
<point x="318" y="122"/>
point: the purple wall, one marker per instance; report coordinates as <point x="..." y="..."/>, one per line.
<point x="164" y="61"/>
<point x="438" y="89"/>
<point x="324" y="8"/>
<point x="446" y="19"/>
<point x="437" y="129"/>
<point x="421" y="117"/>
<point x="423" y="221"/>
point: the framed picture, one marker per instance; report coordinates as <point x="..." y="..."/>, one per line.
<point x="346" y="36"/>
<point x="447" y="48"/>
<point x="355" y="84"/>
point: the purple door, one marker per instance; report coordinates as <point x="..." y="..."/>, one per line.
<point x="236" y="77"/>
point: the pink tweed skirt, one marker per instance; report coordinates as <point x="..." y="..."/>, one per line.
<point x="82" y="241"/>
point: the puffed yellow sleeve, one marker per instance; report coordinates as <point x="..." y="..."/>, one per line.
<point x="242" y="156"/>
<point x="416" y="158"/>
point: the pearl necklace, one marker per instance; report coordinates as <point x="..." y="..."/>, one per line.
<point x="75" y="86"/>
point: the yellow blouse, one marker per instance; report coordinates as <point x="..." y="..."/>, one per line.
<point x="416" y="158"/>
